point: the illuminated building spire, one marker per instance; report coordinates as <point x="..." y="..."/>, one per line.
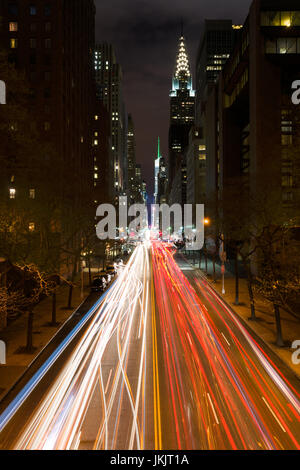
<point x="158" y="148"/>
<point x="182" y="78"/>
<point x="182" y="70"/>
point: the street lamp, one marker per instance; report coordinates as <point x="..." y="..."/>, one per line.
<point x="222" y="254"/>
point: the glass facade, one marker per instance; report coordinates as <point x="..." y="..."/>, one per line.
<point x="282" y="46"/>
<point x="280" y="18"/>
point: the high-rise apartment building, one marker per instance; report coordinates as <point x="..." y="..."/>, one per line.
<point x="102" y="156"/>
<point x="52" y="42"/>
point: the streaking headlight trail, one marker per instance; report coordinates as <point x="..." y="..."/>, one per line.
<point x="160" y="362"/>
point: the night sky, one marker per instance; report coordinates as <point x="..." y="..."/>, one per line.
<point x="145" y="37"/>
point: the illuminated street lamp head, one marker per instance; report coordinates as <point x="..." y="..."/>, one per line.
<point x="206" y="221"/>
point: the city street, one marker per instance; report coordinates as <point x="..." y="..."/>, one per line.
<point x="163" y="364"/>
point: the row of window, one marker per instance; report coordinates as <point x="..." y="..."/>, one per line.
<point x="287" y="197"/>
<point x="14" y="27"/>
<point x="32" y="10"/>
<point x="13" y="193"/>
<point x="280" y="18"/>
<point x="283" y="46"/>
<point x="287" y="181"/>
<point x="32" y="42"/>
<point x="229" y="100"/>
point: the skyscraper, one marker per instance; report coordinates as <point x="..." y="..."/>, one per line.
<point x="50" y="180"/>
<point x="214" y="50"/>
<point x="156" y="172"/>
<point x="109" y="83"/>
<point x="131" y="147"/>
<point x="160" y="177"/>
<point x="182" y="104"/>
<point x="44" y="40"/>
<point x="252" y="118"/>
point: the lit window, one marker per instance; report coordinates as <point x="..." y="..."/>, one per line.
<point x="13" y="27"/>
<point x="96" y="118"/>
<point x="32" y="193"/>
<point x="287" y="197"/>
<point x="13" y="43"/>
<point x="12" y="193"/>
<point x="96" y="176"/>
<point x="31" y="227"/>
<point x="96" y="142"/>
<point x="286" y="139"/>
<point x="287" y="181"/>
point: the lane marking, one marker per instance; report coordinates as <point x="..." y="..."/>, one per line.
<point x="108" y="381"/>
<point x="213" y="408"/>
<point x="273" y="414"/>
<point x="225" y="338"/>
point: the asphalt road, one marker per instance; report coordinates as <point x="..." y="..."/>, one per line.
<point x="163" y="363"/>
<point x="226" y="392"/>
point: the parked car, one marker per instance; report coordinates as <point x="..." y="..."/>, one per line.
<point x="98" y="284"/>
<point x="111" y="269"/>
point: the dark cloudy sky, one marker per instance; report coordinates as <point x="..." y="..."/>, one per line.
<point x="145" y="36"/>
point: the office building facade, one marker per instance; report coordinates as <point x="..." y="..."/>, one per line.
<point x="251" y="114"/>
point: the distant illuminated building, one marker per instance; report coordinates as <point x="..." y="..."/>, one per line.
<point x="109" y="81"/>
<point x="138" y="183"/>
<point x="144" y="192"/>
<point x="156" y="173"/>
<point x="131" y="148"/>
<point x="182" y="104"/>
<point x="214" y="50"/>
<point x="160" y="174"/>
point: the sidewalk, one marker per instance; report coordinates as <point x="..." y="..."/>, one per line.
<point x="265" y="327"/>
<point x="14" y="335"/>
